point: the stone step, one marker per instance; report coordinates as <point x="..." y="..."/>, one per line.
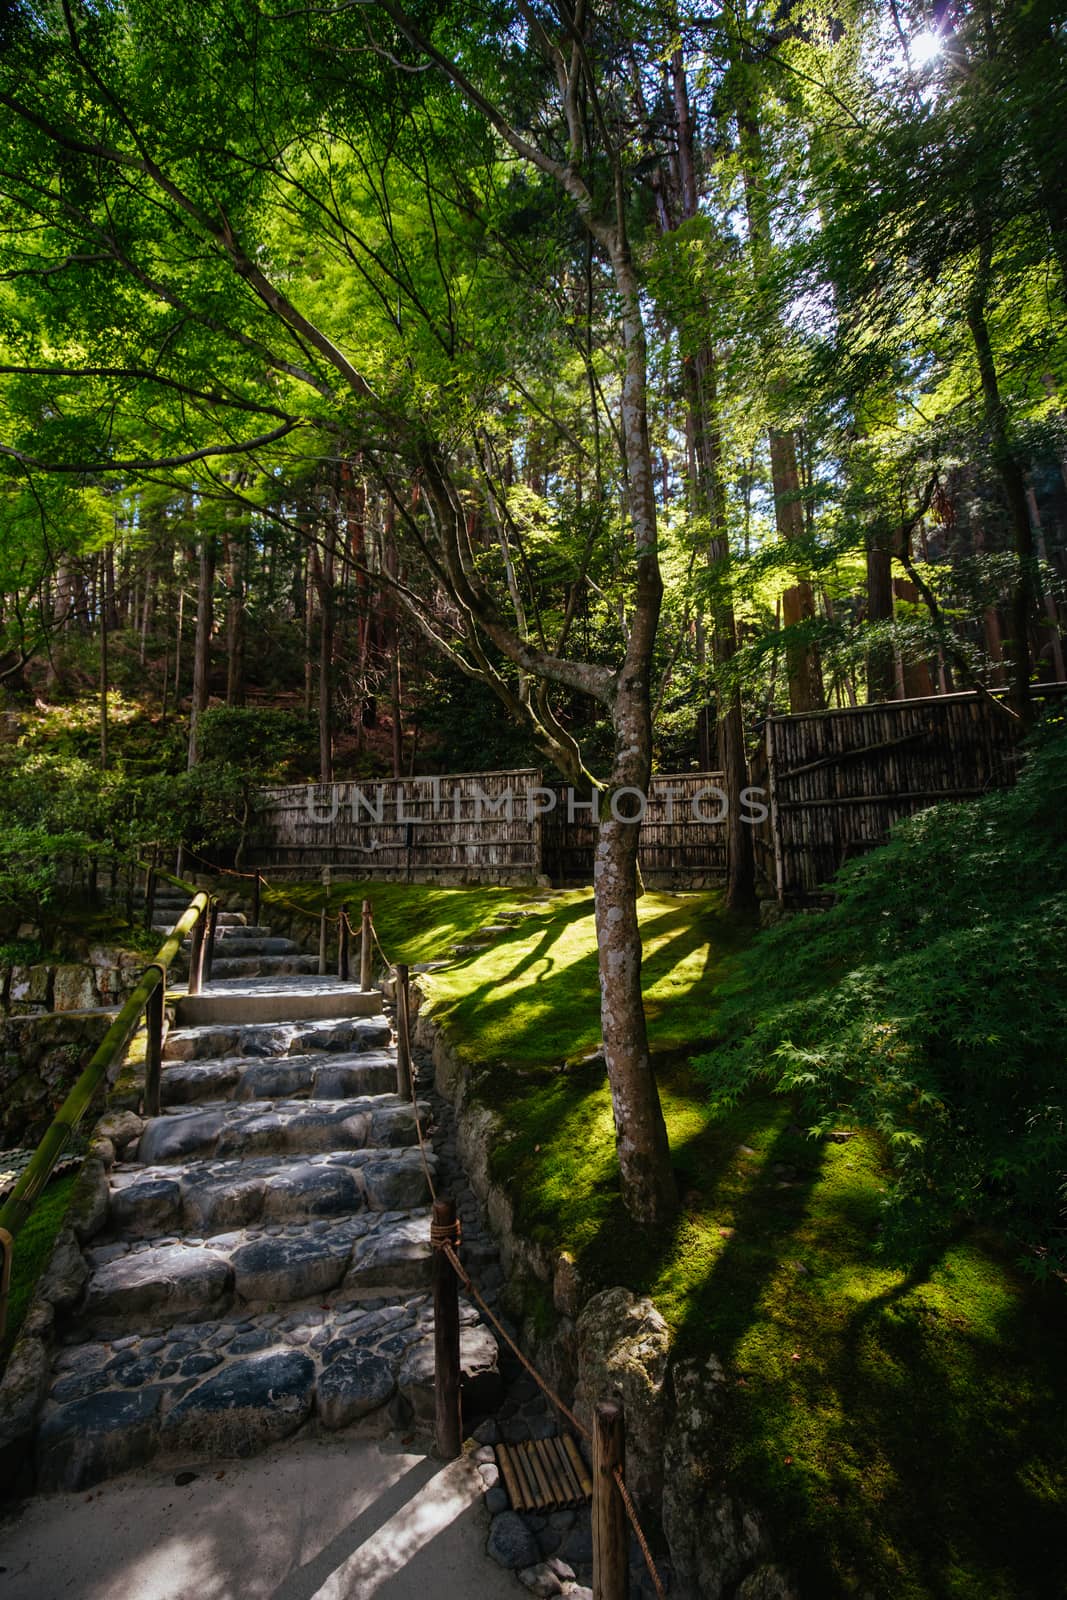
<point x="229" y="924"/>
<point x="282" y="1127"/>
<point x="230" y="942"/>
<point x="203" y="1198"/>
<point x="262" y="966"/>
<point x="232" y="1386"/>
<point x="252" y="1000"/>
<point x="315" y="1077"/>
<point x="332" y="1035"/>
<point x="185" y="1280"/>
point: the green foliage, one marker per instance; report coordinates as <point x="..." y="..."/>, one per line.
<point x="254" y="740"/>
<point x="930" y="1004"/>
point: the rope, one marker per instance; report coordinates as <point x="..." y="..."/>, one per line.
<point x="639" y="1532"/>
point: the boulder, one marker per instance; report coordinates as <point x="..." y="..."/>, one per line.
<point x="357" y="1383"/>
<point x="767" y="1583"/>
<point x="715" y="1541"/>
<point x="290" y="1269"/>
<point x="175" y="1279"/>
<point x="249" y="1404"/>
<point x="91" y="1439"/>
<point x="63" y="1279"/>
<point x="623" y="1350"/>
<point x="73" y="989"/>
<point x="511" y="1543"/>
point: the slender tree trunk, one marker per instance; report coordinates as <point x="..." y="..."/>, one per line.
<point x="202" y="649"/>
<point x="1013" y="483"/>
<point x="881" y="682"/>
<point x="104" y="688"/>
<point x="323" y="569"/>
<point x="233" y="577"/>
<point x="648" y="1186"/>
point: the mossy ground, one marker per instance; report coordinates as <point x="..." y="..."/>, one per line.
<point x="902" y="1429"/>
<point x="31" y="1255"/>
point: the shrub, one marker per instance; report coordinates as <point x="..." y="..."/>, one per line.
<point x="930" y="1003"/>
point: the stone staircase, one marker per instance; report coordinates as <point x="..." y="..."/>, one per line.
<point x="265" y="1261"/>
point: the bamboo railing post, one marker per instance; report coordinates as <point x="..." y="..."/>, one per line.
<point x="196" y="954"/>
<point x="209" y="939"/>
<point x="448" y="1432"/>
<point x="342" y="944"/>
<point x="365" y="952"/>
<point x="153" y="1061"/>
<point x="403" y="1032"/>
<point x="256" y="892"/>
<point x="322" y="942"/>
<point x="611" y="1578"/>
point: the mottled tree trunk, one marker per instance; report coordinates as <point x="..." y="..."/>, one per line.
<point x="205" y="596"/>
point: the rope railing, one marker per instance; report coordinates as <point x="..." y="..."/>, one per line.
<point x="146" y="1000"/>
<point x="609" y="1541"/>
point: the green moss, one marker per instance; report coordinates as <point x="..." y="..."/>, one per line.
<point x="32" y="1250"/>
<point x="902" y="1431"/>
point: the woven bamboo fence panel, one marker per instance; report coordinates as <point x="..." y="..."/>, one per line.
<point x="480" y="827"/>
<point x="837" y="781"/>
<point x="682" y="845"/>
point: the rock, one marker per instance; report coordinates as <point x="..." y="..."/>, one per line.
<point x="176" y="1279"/>
<point x="89" y="1200"/>
<point x="251" y="1403"/>
<point x="24" y="1385"/>
<point x="766" y="1583"/>
<point x="623" y="1348"/>
<point x="312" y="1191"/>
<point x="395" y="1185"/>
<point x="355" y="1384"/>
<point x="29" y="987"/>
<point x="397" y="1257"/>
<point x="91" y="1439"/>
<point x="289" y="1269"/>
<point x="496" y="1499"/>
<point x="511" y="1544"/>
<point x="566" y="1288"/>
<point x="121" y="1127"/>
<point x="73" y="989"/>
<point x="541" y="1580"/>
<point x="714" y="1539"/>
<point x="170" y="1138"/>
<point x="147" y="1207"/>
<point x="64" y="1278"/>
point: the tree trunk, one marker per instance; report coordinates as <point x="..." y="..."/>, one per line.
<point x="323" y="569"/>
<point x="205" y="596"/>
<point x="1013" y="483"/>
<point x="233" y="577"/>
<point x="881" y="681"/>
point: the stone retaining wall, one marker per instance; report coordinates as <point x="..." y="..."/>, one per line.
<point x="40" y="1058"/>
<point x="613" y="1340"/>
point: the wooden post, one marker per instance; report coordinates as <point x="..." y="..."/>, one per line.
<point x="365" y="952"/>
<point x="403" y="1033"/>
<point x="448" y="1432"/>
<point x="342" y="944"/>
<point x="256" y="891"/>
<point x="153" y="1060"/>
<point x="611" y="1577"/>
<point x="323" y="922"/>
<point x="209" y="938"/>
<point x="150" y="890"/>
<point x="196" y="956"/>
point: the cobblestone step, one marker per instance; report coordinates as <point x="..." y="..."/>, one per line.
<point x="234" y="1384"/>
<point x="263" y="965"/>
<point x="316" y="1077"/>
<point x="336" y="1034"/>
<point x="202" y="1198"/>
<point x="187" y="1280"/>
<point x="281" y="1127"/>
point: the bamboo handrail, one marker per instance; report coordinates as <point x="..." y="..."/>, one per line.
<point x="27" y="1191"/>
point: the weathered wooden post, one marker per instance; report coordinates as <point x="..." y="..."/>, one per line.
<point x="196" y="954"/>
<point x="153" y="1060"/>
<point x="365" y="952"/>
<point x="209" y="938"/>
<point x="342" y="944"/>
<point x="448" y="1431"/>
<point x="324" y="920"/>
<point x="257" y="887"/>
<point x="611" y="1578"/>
<point x="150" y="890"/>
<point x="403" y="1032"/>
